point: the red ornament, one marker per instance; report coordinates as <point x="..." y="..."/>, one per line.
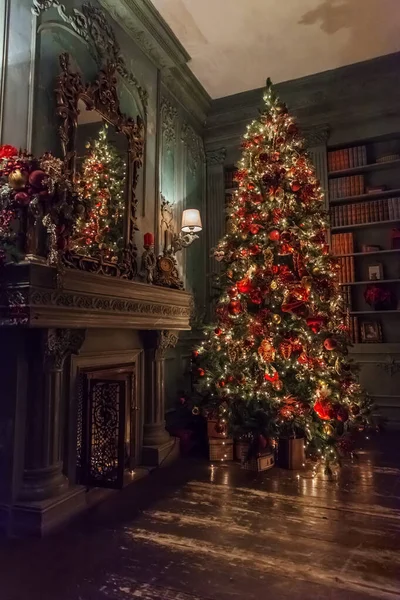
<point x="323" y="409"/>
<point x="201" y="372"/>
<point x="218" y="331"/>
<point x="22" y="198"/>
<point x="255" y="228"/>
<point x="7" y="151"/>
<point x="195" y="353"/>
<point x="254" y="249"/>
<point x="330" y="344"/>
<point x="37" y="179"/>
<point x="148" y="240"/>
<point x="274" y="235"/>
<point x="315" y="323"/>
<point x="222" y="383"/>
<point x="295" y="186"/>
<point x="244" y="286"/>
<point x="235" y="307"/>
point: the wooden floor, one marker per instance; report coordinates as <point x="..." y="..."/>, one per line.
<point x="193" y="532"/>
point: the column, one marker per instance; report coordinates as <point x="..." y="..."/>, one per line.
<point x="43" y="476"/>
<point x="215" y="212"/>
<point x="157" y="443"/>
<point x="316" y="140"/>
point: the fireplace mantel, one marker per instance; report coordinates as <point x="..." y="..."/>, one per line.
<point x="33" y="296"/>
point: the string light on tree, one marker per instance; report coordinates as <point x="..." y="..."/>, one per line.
<point x="101" y="185"/>
<point x="280" y="338"/>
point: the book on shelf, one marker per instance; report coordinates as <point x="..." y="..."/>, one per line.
<point x="345" y="187"/>
<point x="347" y="158"/>
<point x="387" y="209"/>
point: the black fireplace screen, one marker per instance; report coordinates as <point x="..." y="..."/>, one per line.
<point x="101" y="431"/>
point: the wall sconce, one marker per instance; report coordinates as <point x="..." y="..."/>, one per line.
<point x="166" y="269"/>
<point x="191" y="226"/>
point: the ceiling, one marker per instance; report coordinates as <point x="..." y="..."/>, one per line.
<point x="236" y="44"/>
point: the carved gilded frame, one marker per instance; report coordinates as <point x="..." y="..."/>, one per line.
<point x="102" y="96"/>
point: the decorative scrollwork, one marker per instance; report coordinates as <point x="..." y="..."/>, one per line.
<point x="165" y="339"/>
<point x="92" y="26"/>
<point x="101" y="95"/>
<point x="59" y="343"/>
<point x="168" y="123"/>
<point x="195" y="147"/>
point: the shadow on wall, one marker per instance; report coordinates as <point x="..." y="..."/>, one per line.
<point x="368" y="22"/>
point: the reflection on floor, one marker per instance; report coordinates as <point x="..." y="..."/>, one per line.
<point x="195" y="532"/>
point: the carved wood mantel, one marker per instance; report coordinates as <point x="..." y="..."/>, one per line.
<point x="33" y="296"/>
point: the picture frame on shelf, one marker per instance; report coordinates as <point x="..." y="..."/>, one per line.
<point x="371" y="332"/>
<point x="375" y="272"/>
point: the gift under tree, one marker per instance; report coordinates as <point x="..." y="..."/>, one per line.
<point x="280" y="342"/>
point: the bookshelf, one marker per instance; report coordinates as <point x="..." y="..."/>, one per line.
<point x="364" y="204"/>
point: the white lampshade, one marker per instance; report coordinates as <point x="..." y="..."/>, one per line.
<point x="191" y="221"/>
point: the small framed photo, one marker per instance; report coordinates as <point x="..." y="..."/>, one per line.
<point x="371" y="332"/>
<point x="375" y="272"/>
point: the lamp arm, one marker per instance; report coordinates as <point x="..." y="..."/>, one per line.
<point x="181" y="241"/>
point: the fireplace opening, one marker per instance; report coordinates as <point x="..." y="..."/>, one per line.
<point x="107" y="432"/>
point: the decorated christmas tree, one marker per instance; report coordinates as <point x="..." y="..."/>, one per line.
<point x="101" y="185"/>
<point x="275" y="363"/>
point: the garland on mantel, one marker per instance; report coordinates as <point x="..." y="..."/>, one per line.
<point x="34" y="201"/>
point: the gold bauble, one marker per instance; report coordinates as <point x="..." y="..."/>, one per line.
<point x="273" y="285"/>
<point x="328" y="429"/>
<point x="316" y="271"/>
<point x="17" y="179"/>
<point x="276" y="318"/>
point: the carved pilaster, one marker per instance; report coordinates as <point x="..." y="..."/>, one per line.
<point x="156" y="346"/>
<point x="215" y="210"/>
<point x="316" y="142"/>
<point x="43" y="476"/>
<point x="168" y="124"/>
<point x="195" y="148"/>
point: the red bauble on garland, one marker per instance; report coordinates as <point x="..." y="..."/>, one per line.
<point x="244" y="286"/>
<point x="235" y="307"/>
<point x="274" y="235"/>
<point x="330" y="344"/>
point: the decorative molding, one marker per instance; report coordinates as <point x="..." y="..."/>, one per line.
<point x="144" y="24"/>
<point x="165" y="339"/>
<point x="168" y="123"/>
<point x="390" y="366"/>
<point x="92" y="26"/>
<point x="19" y="307"/>
<point x="59" y="343"/>
<point x="195" y="148"/>
<point x="216" y="157"/>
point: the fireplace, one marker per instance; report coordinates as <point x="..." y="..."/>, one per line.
<point x="107" y="426"/>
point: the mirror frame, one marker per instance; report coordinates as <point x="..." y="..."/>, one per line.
<point x="101" y="96"/>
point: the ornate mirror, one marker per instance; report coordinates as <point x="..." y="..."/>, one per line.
<point x="103" y="152"/>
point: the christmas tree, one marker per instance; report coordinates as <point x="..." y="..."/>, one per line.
<point x="276" y="360"/>
<point x="101" y="185"/>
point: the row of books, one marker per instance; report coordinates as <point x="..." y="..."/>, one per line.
<point x="343" y="187"/>
<point x="354" y="329"/>
<point x="387" y="209"/>
<point x="342" y="243"/>
<point x="346" y="273"/>
<point x="229" y="176"/>
<point x="347" y="158"/>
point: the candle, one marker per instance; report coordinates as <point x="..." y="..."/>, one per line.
<point x="148" y="239"/>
